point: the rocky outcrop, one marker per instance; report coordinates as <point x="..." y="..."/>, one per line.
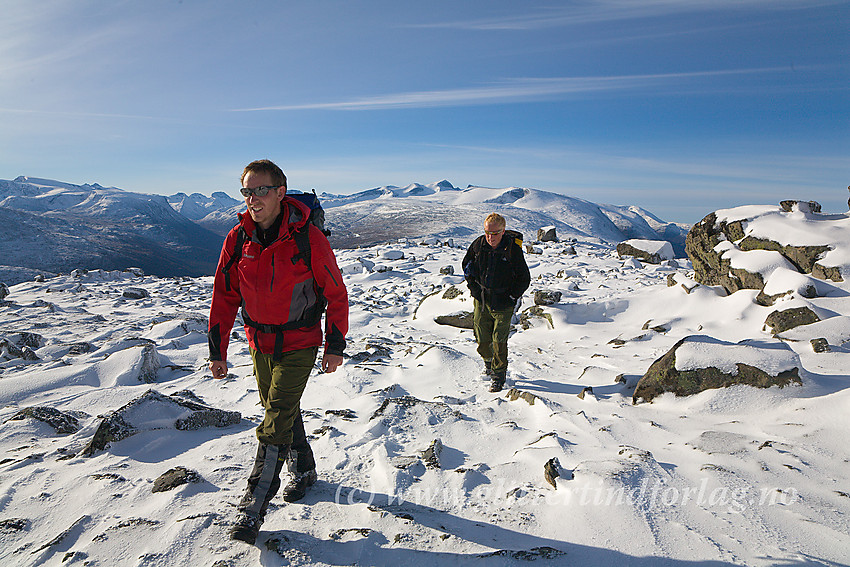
<point x="131" y="418"/>
<point x="774" y="366"/>
<point x="713" y="265"/>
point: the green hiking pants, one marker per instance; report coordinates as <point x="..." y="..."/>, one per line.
<point x="491" y="333"/>
<point x="281" y="384"/>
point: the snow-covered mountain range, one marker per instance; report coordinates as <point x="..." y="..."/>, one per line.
<point x="55" y="226"/>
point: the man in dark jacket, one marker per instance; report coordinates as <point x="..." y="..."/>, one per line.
<point x="281" y="270"/>
<point x="497" y="276"/>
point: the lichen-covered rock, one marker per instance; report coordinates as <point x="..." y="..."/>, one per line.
<point x="715" y="244"/>
<point x="535" y="315"/>
<point x="547" y="234"/>
<point x="546" y="297"/>
<point x="708" y="363"/>
<point x="447" y="270"/>
<point x="63" y="423"/>
<point x="175" y="477"/>
<point x="780" y="321"/>
<point x="452" y="293"/>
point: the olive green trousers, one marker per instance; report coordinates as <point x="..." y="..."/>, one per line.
<point x="491" y="333"/>
<point x="281" y="385"/>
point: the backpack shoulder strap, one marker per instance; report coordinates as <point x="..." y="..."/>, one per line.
<point x="241" y="235"/>
<point x="302" y="242"/>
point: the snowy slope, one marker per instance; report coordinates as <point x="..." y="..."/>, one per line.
<point x="737" y="476"/>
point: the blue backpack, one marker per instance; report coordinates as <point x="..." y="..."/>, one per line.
<point x="317" y="213"/>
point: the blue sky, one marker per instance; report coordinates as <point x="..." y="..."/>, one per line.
<point x="681" y="107"/>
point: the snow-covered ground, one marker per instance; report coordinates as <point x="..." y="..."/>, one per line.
<point x="740" y="475"/>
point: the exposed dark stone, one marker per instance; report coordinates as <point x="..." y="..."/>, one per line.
<point x="584" y="391"/>
<point x="135" y="293"/>
<point x="111" y="428"/>
<point x="4" y="291"/>
<point x="409" y="402"/>
<point x="461" y="320"/>
<point x="514" y="395"/>
<point x="452" y="292"/>
<point x="545" y="297"/>
<point x="709" y="269"/>
<point x="532" y="554"/>
<point x="175" y="477"/>
<point x="346" y="414"/>
<point x="624" y="249"/>
<point x="527" y="317"/>
<point x="339" y="534"/>
<point x="662" y="377"/>
<point x="820" y="345"/>
<point x="827" y="273"/>
<point x="447" y="270"/>
<point x="431" y="455"/>
<point x="10" y="525"/>
<point x="80" y="348"/>
<point x="62" y="422"/>
<point x="802" y="257"/>
<point x="804" y="206"/>
<point x="150" y="364"/>
<point x="548" y="234"/>
<point x="550" y="471"/>
<point x="780" y="321"/>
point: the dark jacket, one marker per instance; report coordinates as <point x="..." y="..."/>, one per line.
<point x="497" y="277"/>
<point x="274" y="288"/>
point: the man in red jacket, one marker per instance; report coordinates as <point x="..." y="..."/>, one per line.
<point x="281" y="270"/>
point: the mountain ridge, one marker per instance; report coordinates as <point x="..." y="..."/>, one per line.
<point x="94" y="227"/>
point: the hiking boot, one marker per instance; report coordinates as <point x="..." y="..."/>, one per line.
<point x="297" y="486"/>
<point x="488" y="369"/>
<point x="497" y="382"/>
<point x="246" y="528"/>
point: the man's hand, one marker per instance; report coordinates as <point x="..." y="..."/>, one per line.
<point x="218" y="368"/>
<point x="330" y="362"/>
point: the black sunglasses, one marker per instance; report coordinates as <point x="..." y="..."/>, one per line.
<point x="261" y="191"/>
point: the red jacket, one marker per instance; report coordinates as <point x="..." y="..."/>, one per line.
<point x="274" y="287"/>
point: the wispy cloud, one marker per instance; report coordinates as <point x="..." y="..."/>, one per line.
<point x="514" y="90"/>
<point x="597" y="11"/>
